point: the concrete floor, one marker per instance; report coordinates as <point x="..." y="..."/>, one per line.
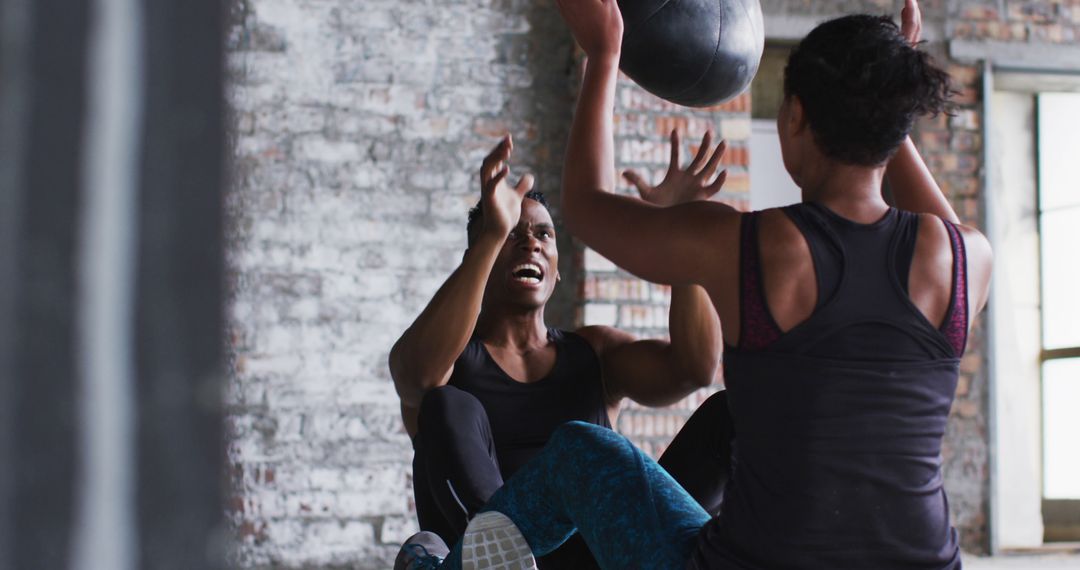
<point x="1023" y="562"/>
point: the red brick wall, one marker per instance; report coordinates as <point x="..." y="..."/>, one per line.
<point x="1039" y="21"/>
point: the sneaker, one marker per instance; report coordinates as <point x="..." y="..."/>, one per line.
<point x="493" y="542"/>
<point x="421" y="551"/>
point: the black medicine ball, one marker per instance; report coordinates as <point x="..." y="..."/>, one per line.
<point x="692" y="52"/>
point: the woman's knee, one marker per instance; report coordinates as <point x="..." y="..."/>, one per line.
<point x="583" y="434"/>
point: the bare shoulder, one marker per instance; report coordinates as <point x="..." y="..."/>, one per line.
<point x="980" y="265"/>
<point x="723" y="219"/>
<point x="976" y="247"/>
<point x="933" y="236"/>
<point x="706" y="222"/>
<point x="976" y="244"/>
<point x="779" y="237"/>
<point x="979" y="255"/>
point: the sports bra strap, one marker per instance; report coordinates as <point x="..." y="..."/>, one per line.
<point x="757" y="328"/>
<point x="955" y="326"/>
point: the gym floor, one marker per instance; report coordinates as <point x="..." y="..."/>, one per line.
<point x="1026" y="561"/>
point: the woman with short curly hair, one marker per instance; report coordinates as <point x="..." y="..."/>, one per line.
<point x="844" y="320"/>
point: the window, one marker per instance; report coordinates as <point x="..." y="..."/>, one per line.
<point x="1034" y="200"/>
<point x="1059" y="230"/>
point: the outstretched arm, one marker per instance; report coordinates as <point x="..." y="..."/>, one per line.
<point x="660" y="372"/>
<point x="424" y="356"/>
<point x="663" y="245"/>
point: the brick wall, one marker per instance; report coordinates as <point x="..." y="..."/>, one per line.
<point x="359" y="129"/>
<point x="1041" y="21"/>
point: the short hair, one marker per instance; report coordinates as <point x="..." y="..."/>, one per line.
<point x="476" y="214"/>
<point x="862" y="85"/>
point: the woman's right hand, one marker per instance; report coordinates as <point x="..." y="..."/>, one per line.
<point x="597" y="26"/>
<point x="501" y="202"/>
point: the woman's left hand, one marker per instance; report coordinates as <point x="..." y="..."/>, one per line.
<point x="911" y="22"/>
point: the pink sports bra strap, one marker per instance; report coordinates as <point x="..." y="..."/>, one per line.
<point x="758" y="329"/>
<point x="955" y="326"/>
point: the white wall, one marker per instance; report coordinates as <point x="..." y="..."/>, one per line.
<point x="770" y="184"/>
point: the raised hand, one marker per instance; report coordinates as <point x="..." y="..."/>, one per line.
<point x="911" y="22"/>
<point x="597" y="25"/>
<point x="685" y="184"/>
<point x="501" y="202"/>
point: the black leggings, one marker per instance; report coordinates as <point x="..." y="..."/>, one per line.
<point x="456" y="470"/>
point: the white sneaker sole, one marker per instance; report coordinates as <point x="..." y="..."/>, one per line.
<point x="493" y="542"/>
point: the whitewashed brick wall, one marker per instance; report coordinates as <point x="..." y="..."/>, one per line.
<point x="359" y="126"/>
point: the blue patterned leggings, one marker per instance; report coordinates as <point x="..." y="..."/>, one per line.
<point x="630" y="512"/>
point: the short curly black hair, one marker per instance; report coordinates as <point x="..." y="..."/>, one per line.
<point x="862" y="85"/>
<point x="476" y="214"/>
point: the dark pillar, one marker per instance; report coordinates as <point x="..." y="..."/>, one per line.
<point x="40" y="279"/>
<point x="180" y="287"/>
<point x="177" y="449"/>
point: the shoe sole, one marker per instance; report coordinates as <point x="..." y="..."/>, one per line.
<point x="493" y="542"/>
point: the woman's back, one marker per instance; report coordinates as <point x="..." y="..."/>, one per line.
<point x="840" y="383"/>
<point x="790" y="283"/>
<point x="839" y="418"/>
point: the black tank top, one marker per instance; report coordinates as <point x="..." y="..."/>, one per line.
<point x="839" y="421"/>
<point x="524" y="415"/>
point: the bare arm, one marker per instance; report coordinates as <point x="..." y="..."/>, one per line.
<point x="914" y="186"/>
<point x="424" y="356"/>
<point x="659" y="372"/>
<point x="912" y="183"/>
<point x="916" y="190"/>
<point x="663" y="245"/>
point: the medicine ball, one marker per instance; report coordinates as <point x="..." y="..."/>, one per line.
<point x="692" y="52"/>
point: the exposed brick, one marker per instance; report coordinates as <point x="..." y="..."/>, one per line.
<point x="595" y="262"/>
<point x="979" y="12"/>
<point x="739" y="105"/>
<point x="1032" y="11"/>
<point x="665" y="124"/>
<point x="601" y="314"/>
<point x="737" y="182"/>
<point x="965" y="119"/>
<point x="963" y="30"/>
<point x="966" y="141"/>
<point x="929" y="141"/>
<point x="395" y="530"/>
<point x="1053" y="33"/>
<point x="360" y="132"/>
